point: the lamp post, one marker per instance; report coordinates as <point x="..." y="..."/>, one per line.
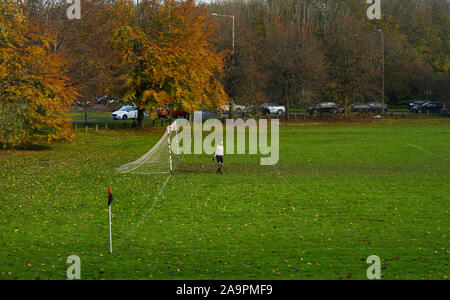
<point x="233" y="51"/>
<point x="383" y="66"/>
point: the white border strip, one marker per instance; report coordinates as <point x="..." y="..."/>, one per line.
<point x="426" y="151"/>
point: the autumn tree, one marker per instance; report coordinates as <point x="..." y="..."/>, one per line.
<point x="416" y="36"/>
<point x="429" y="31"/>
<point x="166" y="52"/>
<point x="295" y="60"/>
<point x="170" y="39"/>
<point x="93" y="63"/>
<point x="354" y="56"/>
<point x="36" y="94"/>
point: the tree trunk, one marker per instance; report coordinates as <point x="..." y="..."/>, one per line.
<point x="346" y="107"/>
<point x="286" y="95"/>
<point x="231" y="108"/>
<point x="141" y="118"/>
<point x="287" y="109"/>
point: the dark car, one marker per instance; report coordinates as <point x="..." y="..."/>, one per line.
<point x="324" y="107"/>
<point x="361" y="108"/>
<point x="258" y="110"/>
<point x="416" y="102"/>
<point x="429" y="107"/>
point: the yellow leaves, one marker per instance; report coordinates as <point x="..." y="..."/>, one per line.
<point x="148" y="94"/>
<point x="35" y="87"/>
<point x="130" y="94"/>
<point x="177" y="66"/>
<point x="154" y="115"/>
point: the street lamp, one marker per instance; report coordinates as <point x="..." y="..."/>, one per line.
<point x="232" y="61"/>
<point x="383" y="67"/>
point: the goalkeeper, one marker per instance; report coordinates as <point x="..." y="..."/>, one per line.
<point x="219" y="156"/>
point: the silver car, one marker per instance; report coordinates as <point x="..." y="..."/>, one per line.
<point x="275" y="109"/>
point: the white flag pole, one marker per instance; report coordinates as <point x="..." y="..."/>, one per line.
<point x="170" y="150"/>
<point x="110" y="232"/>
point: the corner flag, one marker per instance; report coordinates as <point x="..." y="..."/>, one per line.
<point x="110" y="200"/>
<point x="110" y="197"/>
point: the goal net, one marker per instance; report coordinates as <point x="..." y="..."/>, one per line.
<point x="160" y="159"/>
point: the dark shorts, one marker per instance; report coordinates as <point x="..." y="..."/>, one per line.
<point x="219" y="159"/>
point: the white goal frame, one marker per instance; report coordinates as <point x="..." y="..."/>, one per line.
<point x="147" y="158"/>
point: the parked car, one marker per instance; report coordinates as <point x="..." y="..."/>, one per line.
<point x="236" y="108"/>
<point x="416" y="102"/>
<point x="179" y="113"/>
<point x="324" y="107"/>
<point x="125" y="113"/>
<point x="274" y="108"/>
<point x="429" y="107"/>
<point x="208" y="114"/>
<point x="102" y="99"/>
<point x="376" y="107"/>
<point x="359" y="107"/>
<point x="164" y="113"/>
<point x="257" y="110"/>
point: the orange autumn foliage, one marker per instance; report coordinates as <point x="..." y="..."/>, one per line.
<point x="168" y="58"/>
<point x="35" y="93"/>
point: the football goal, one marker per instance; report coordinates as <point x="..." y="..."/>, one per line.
<point x="160" y="159"/>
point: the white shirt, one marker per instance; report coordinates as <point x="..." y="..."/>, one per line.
<point x="219" y="150"/>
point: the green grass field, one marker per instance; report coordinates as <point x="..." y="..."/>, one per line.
<point x="339" y="194"/>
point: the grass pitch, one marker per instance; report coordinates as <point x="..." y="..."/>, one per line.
<point x="339" y="194"/>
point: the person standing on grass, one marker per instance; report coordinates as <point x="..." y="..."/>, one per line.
<point x="219" y="156"/>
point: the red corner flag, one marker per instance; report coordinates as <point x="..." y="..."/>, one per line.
<point x="110" y="197"/>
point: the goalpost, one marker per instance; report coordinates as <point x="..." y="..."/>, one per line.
<point x="159" y="159"/>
